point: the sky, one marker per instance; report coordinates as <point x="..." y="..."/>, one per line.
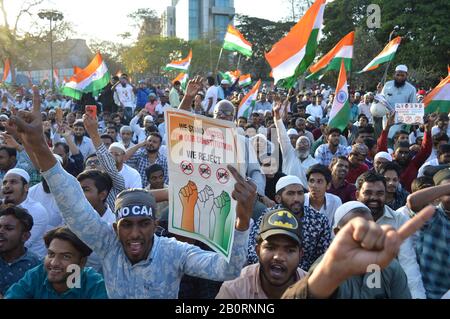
<point x="105" y="19"/>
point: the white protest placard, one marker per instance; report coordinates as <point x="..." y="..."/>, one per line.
<point x="409" y="113"/>
<point x="200" y="203"/>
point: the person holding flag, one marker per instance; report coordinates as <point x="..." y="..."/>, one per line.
<point x="340" y="110"/>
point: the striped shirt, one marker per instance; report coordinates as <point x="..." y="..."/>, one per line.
<point x="109" y="166"/>
<point x="433" y="254"/>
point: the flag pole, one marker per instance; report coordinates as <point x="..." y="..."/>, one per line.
<point x="239" y="62"/>
<point x="389" y="63"/>
<point x="218" y="61"/>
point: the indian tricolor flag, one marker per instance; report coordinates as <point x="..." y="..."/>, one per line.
<point x="249" y="101"/>
<point x="182" y="65"/>
<point x="245" y="80"/>
<point x="292" y="55"/>
<point x="7" y="75"/>
<point x="231" y="76"/>
<point x="77" y="69"/>
<point x="340" y="110"/>
<point x="343" y="51"/>
<point x="183" y="79"/>
<point x="386" y="55"/>
<point x="235" y="41"/>
<point x="438" y="100"/>
<point x="56" y="77"/>
<point x="93" y="78"/>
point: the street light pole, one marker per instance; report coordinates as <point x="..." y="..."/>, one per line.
<point x="51" y="15"/>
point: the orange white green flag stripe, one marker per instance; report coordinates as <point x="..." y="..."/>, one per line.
<point x="245" y="80"/>
<point x="249" y="101"/>
<point x="93" y="78"/>
<point x="77" y="69"/>
<point x="231" y="76"/>
<point x="342" y="51"/>
<point x="235" y="41"/>
<point x="340" y="110"/>
<point x="292" y="55"/>
<point x="183" y="79"/>
<point x="438" y="100"/>
<point x="182" y="65"/>
<point x="7" y="75"/>
<point x="386" y="55"/>
<point x="56" y="77"/>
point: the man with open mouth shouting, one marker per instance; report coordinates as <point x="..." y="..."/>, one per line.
<point x="279" y="249"/>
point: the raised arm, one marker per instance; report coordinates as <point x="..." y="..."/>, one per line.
<point x="357" y="245"/>
<point x="79" y="215"/>
<point x="382" y="141"/>
<point x="105" y="158"/>
<point x="66" y="132"/>
<point x="192" y="89"/>
<point x="419" y="199"/>
<point x="130" y="152"/>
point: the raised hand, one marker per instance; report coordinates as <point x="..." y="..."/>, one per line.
<point x="203" y="211"/>
<point x="390" y="120"/>
<point x="9" y="141"/>
<point x="430" y="123"/>
<point x="277" y="108"/>
<point x="357" y="245"/>
<point x="188" y="196"/>
<point x="221" y="210"/>
<point x="245" y="194"/>
<point x="194" y="86"/>
<point x="66" y="131"/>
<point x="29" y="124"/>
<point x="90" y="124"/>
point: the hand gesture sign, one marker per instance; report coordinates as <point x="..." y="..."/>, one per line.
<point x="90" y="124"/>
<point x="29" y="124"/>
<point x="430" y="123"/>
<point x="188" y="196"/>
<point x="245" y="194"/>
<point x="359" y="244"/>
<point x="277" y="107"/>
<point x="194" y="86"/>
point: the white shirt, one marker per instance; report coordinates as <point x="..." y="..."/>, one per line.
<point x="161" y="109"/>
<point x="315" y="110"/>
<point x="407" y="255"/>
<point x="47" y="200"/>
<point x="308" y="162"/>
<point x="433" y="162"/>
<point x="129" y="145"/>
<point x="86" y="147"/>
<point x="332" y="202"/>
<point x="291" y="163"/>
<point x="211" y="93"/>
<point x="125" y="95"/>
<point x="365" y="109"/>
<point x="40" y="224"/>
<point x="436" y="130"/>
<point x="131" y="176"/>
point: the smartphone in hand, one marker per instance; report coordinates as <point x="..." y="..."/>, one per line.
<point x="91" y="110"/>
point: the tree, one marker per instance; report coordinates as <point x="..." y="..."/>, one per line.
<point x="111" y="54"/>
<point x="9" y="33"/>
<point x="297" y="8"/>
<point x="147" y="21"/>
<point x="425" y="46"/>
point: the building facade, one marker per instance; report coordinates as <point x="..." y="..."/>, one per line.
<point x="197" y="19"/>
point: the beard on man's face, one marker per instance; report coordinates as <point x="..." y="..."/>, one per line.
<point x="399" y="83"/>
